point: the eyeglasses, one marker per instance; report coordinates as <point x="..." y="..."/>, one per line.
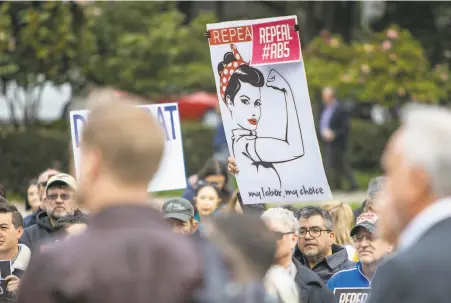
<point x="314" y="232"/>
<point x="370" y="238"/>
<point x="63" y="197"/>
<point x="280" y="235"/>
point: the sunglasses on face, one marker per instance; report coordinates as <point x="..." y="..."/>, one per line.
<point x="63" y="197"/>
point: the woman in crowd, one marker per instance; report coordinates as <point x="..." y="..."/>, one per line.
<point x="32" y="202"/>
<point x="207" y="201"/>
<point x="213" y="172"/>
<point x="343" y="221"/>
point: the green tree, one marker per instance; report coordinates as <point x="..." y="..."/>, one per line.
<point x="144" y="48"/>
<point x="326" y="58"/>
<point x="388" y="67"/>
<point x="40" y="42"/>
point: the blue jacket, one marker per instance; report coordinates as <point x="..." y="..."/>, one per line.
<point x="349" y="278"/>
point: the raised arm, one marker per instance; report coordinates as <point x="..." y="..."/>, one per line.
<point x="290" y="146"/>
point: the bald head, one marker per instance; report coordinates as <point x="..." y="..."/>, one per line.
<point x="128" y="141"/>
<point x="42" y="181"/>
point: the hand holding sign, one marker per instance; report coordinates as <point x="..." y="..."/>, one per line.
<point x="232" y="166"/>
<point x="13" y="283"/>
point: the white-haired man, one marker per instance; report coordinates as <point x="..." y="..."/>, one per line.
<point x="416" y="210"/>
<point x="286" y="226"/>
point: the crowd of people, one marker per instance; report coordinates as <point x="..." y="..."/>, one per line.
<point x="100" y="240"/>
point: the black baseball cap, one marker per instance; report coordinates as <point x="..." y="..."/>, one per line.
<point x="367" y="221"/>
<point x="178" y="208"/>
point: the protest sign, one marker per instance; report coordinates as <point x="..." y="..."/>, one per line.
<point x="352" y="295"/>
<point x="5" y="270"/>
<point x="171" y="174"/>
<point x="266" y="110"/>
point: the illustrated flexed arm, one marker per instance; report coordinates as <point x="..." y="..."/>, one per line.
<point x="291" y="146"/>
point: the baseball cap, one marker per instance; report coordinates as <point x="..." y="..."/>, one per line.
<point x="62" y="178"/>
<point x="367" y="221"/>
<point x="178" y="208"/>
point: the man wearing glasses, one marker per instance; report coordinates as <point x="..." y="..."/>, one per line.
<point x="59" y="201"/>
<point x="285" y="225"/>
<point x="42" y="183"/>
<point x="315" y="244"/>
<point x="370" y="249"/>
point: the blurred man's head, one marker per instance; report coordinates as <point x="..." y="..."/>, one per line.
<point x="180" y="214"/>
<point x="42" y="181"/>
<point x="328" y="95"/>
<point x="285" y="225"/>
<point x="374" y="189"/>
<point x="72" y="224"/>
<point x="60" y="196"/>
<point x="315" y="233"/>
<point x="11" y="229"/>
<point x="370" y="247"/>
<point x="247" y="245"/>
<point x="417" y="163"/>
<point x="121" y="149"/>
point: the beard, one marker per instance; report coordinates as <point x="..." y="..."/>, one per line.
<point x="315" y="256"/>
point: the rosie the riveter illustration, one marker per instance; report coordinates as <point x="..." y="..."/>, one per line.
<point x="240" y="87"/>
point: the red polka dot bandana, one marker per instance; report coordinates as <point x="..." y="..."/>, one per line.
<point x="229" y="69"/>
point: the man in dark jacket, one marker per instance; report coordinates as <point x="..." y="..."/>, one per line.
<point x="334" y="130"/>
<point x="315" y="245"/>
<point x="283" y="222"/>
<point x="42" y="184"/>
<point x="59" y="201"/>
<point x="128" y="253"/>
<point x="11" y="227"/>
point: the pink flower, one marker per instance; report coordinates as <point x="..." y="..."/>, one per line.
<point x="334" y="42"/>
<point x="444" y="76"/>
<point x="386" y="45"/>
<point x="365" y="68"/>
<point x="392" y="57"/>
<point x="368" y="48"/>
<point x="392" y="34"/>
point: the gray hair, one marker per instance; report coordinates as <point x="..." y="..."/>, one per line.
<point x="426" y="139"/>
<point x="282" y="216"/>
<point x="375" y="186"/>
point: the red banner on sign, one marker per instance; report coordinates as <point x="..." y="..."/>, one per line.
<point x="275" y="42"/>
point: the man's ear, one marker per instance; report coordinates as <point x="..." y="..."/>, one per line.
<point x="294" y="237"/>
<point x="20" y="232"/>
<point x="195" y="225"/>
<point x="332" y="236"/>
